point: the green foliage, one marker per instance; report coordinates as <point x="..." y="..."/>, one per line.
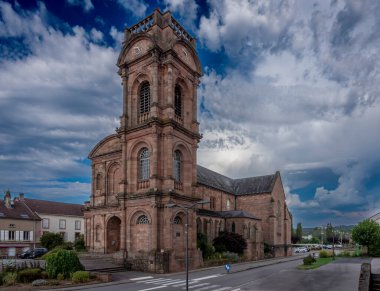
<point x="367" y="233"/>
<point x="309" y="260"/>
<point x="267" y="248"/>
<point x="81" y="277"/>
<point x="206" y="248"/>
<point x="79" y="243"/>
<point x="64" y="262"/>
<point x="324" y="254"/>
<point x="51" y="240"/>
<point x="9" y="266"/>
<point x="10" y="279"/>
<point x="233" y="242"/>
<point x="299" y="231"/>
<point x="375" y="249"/>
<point x="68" y="245"/>
<point x="60" y="277"/>
<point x="29" y="275"/>
<point x="44" y="275"/>
<point x="344" y="254"/>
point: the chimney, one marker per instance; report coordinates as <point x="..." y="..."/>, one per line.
<point x="7" y="199"/>
<point x="21" y="196"/>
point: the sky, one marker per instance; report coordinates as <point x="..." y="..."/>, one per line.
<point x="288" y="85"/>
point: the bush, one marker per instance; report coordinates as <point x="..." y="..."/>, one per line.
<point x="81" y="277"/>
<point x="44" y="275"/>
<point x="79" y="244"/>
<point x="324" y="254"/>
<point x="233" y="242"/>
<point x="68" y="245"/>
<point x="344" y="254"/>
<point x="206" y="248"/>
<point x="60" y="277"/>
<point x="51" y="240"/>
<point x="29" y="275"/>
<point x="9" y="266"/>
<point x="64" y="262"/>
<point x="309" y="260"/>
<point x="10" y="279"/>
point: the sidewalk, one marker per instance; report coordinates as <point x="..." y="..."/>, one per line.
<point x="375" y="266"/>
<point x="125" y="277"/>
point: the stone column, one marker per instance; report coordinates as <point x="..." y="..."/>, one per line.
<point x="124" y="77"/>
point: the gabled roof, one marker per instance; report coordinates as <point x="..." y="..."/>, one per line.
<point x="54" y="208"/>
<point x="251" y="185"/>
<point x="18" y="211"/>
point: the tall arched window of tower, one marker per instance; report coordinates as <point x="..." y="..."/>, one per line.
<point x="178" y="101"/>
<point x="144" y="102"/>
<point x="177" y="170"/>
<point x="144" y="165"/>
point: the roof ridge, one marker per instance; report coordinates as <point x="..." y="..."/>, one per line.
<point x="52" y="201"/>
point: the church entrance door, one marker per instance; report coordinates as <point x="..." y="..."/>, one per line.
<point x="113" y="235"/>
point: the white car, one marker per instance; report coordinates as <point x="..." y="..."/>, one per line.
<point x="301" y="250"/>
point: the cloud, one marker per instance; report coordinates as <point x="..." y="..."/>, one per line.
<point x="58" y="99"/>
<point x="135" y="7"/>
<point x="186" y="10"/>
<point x="85" y="4"/>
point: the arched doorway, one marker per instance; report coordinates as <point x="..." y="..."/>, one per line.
<point x="113" y="234"/>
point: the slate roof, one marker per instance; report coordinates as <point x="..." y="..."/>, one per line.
<point x="18" y="211"/>
<point x="54" y="208"/>
<point x="245" y="186"/>
<point x="227" y="214"/>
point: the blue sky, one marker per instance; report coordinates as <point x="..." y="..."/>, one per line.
<point x="288" y="85"/>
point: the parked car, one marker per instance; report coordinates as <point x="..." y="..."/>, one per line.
<point x="38" y="252"/>
<point x="26" y="254"/>
<point x="301" y="250"/>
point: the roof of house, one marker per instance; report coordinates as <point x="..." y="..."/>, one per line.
<point x="226" y="214"/>
<point x="54" y="208"/>
<point x="250" y="185"/>
<point x="17" y="210"/>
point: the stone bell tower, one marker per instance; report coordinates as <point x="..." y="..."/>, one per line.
<point x="151" y="159"/>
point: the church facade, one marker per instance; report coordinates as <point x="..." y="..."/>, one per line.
<point x="151" y="162"/>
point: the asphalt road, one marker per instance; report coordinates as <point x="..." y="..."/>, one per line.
<point x="340" y="275"/>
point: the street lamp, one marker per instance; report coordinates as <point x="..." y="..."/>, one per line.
<point x="186" y="208"/>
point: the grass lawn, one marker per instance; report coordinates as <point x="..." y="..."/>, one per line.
<point x="317" y="264"/>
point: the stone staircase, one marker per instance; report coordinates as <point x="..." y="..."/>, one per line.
<point x="104" y="263"/>
<point x="375" y="282"/>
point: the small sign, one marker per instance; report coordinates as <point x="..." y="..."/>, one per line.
<point x="227" y="267"/>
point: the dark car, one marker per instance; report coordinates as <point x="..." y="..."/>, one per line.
<point x="26" y="254"/>
<point x="38" y="252"/>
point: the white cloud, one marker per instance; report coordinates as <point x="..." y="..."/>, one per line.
<point x="86" y="4"/>
<point x="136" y="7"/>
<point x="186" y="9"/>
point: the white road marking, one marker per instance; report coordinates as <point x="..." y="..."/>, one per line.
<point x="208" y="287"/>
<point x="175" y="282"/>
<point x="208" y="277"/>
<point x="155" y="281"/>
<point x="141" y="278"/>
<point x="221" y="289"/>
<point x="158" y="287"/>
<point x="198" y="285"/>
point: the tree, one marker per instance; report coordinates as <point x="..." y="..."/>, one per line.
<point x="50" y="240"/>
<point x="299" y="231"/>
<point x="367" y="233"/>
<point x="232" y="242"/>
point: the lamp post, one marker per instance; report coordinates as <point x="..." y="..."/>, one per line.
<point x="186" y="208"/>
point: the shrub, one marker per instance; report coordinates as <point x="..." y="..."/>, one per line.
<point x="10" y="279"/>
<point x="324" y="254"/>
<point x="79" y="244"/>
<point x="29" y="275"/>
<point x="81" y="277"/>
<point x="64" y="262"/>
<point x="51" y="240"/>
<point x="44" y="275"/>
<point x="60" y="277"/>
<point x="9" y="266"/>
<point x="344" y="254"/>
<point x="206" y="248"/>
<point x="68" y="245"/>
<point x="233" y="242"/>
<point x="309" y="260"/>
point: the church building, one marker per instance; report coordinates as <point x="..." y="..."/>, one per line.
<point x="150" y="162"/>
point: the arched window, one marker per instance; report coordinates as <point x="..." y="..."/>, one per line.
<point x="143" y="219"/>
<point x="177" y="166"/>
<point x="144" y="165"/>
<point x="177" y="220"/>
<point x="178" y="101"/>
<point x="233" y="227"/>
<point x="144" y="98"/>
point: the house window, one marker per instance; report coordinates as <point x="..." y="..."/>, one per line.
<point x="178" y="101"/>
<point x="228" y="204"/>
<point x="77" y="235"/>
<point x="212" y="203"/>
<point x="233" y="227"/>
<point x="62" y="224"/>
<point x="144" y="165"/>
<point x="143" y="219"/>
<point x="177" y="220"/>
<point x="177" y="166"/>
<point x="99" y="179"/>
<point x="26" y="235"/>
<point x="11" y="235"/>
<point x="45" y="223"/>
<point x="77" y="224"/>
<point x="63" y="235"/>
<point x="144" y="98"/>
